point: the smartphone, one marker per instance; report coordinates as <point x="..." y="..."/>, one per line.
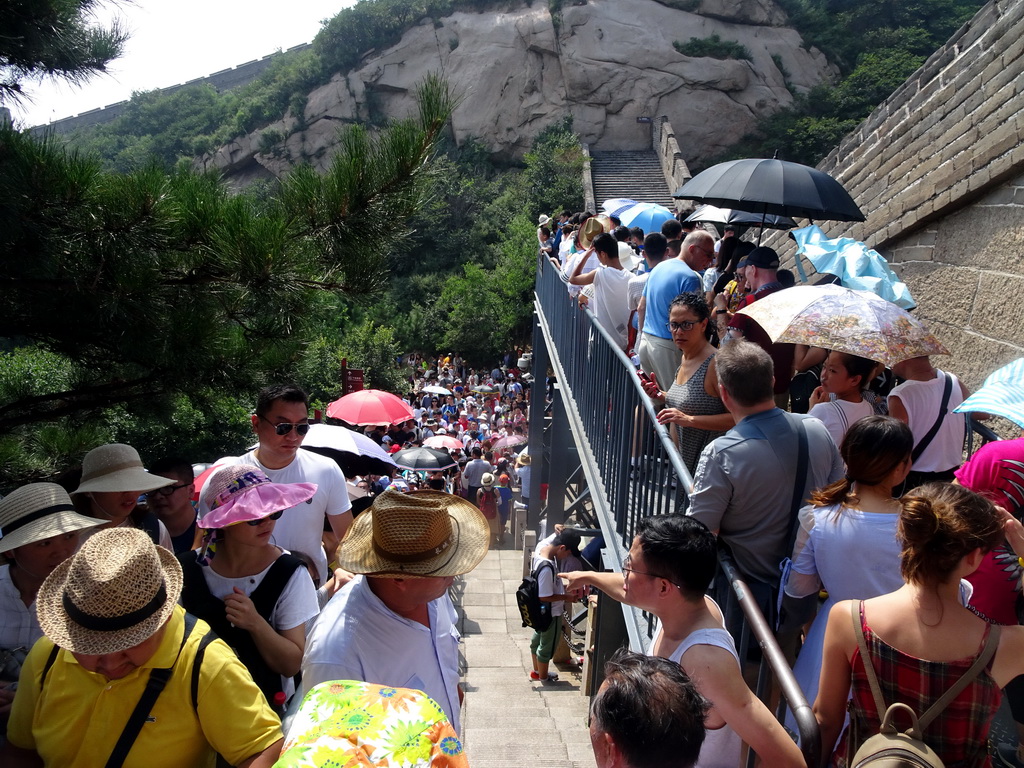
<point x="649" y="378"/>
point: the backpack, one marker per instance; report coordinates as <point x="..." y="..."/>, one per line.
<point x="197" y="599"/>
<point x="535" y="612"/>
<point x="890" y="747"/>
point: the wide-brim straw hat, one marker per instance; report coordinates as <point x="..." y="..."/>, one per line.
<point x="115" y="593"/>
<point x="523" y="459"/>
<point x="239" y="493"/>
<point x="36" y="512"/>
<point x="117" y="468"/>
<point x="417" y="534"/>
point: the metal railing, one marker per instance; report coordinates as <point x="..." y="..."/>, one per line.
<point x="633" y="470"/>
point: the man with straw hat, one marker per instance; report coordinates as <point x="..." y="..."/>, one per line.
<point x="38" y="531"/>
<point x="393" y="625"/>
<point x="124" y="677"/>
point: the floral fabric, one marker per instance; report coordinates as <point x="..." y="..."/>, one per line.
<point x="350" y="724"/>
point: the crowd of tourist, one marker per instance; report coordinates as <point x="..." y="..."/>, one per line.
<point x="847" y="478"/>
<point x="155" y="615"/>
<point x="104" y="577"/>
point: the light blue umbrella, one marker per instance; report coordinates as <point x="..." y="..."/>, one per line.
<point x="648" y="216"/>
<point x="1002" y="394"/>
<point x="858" y="266"/>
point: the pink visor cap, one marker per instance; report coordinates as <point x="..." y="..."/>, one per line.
<point x="240" y="493"/>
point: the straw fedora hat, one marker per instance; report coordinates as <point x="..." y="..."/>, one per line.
<point x="117" y="467"/>
<point x="523" y="459"/>
<point x="116" y="592"/>
<point x="422" y="533"/>
<point x="36" y="512"/>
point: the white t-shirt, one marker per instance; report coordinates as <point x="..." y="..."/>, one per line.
<point x="570" y="266"/>
<point x="839" y="415"/>
<point x="611" y="302"/>
<point x="297" y="604"/>
<point x="548" y="584"/>
<point x="922" y="399"/>
<point x="301" y="528"/>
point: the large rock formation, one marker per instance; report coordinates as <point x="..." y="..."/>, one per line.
<point x="607" y="63"/>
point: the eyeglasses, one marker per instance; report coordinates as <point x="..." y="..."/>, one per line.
<point x="627" y="570"/>
<point x="284" y="428"/>
<point x="167" y="490"/>
<point x="683" y="326"/>
<point x="272" y="516"/>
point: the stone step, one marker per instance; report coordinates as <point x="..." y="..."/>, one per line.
<point x="630" y="174"/>
<point x="509" y="720"/>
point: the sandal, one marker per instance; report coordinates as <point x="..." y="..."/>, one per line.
<point x="552" y="676"/>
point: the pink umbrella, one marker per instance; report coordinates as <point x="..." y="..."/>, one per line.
<point x="507" y="441"/>
<point x="370" y="406"/>
<point x="444" y="442"/>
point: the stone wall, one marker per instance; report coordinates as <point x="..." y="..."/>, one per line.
<point x="673" y="164"/>
<point x="938" y="169"/>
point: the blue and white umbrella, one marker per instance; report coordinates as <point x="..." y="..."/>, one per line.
<point x="648" y="216"/>
<point x="858" y="266"/>
<point x="1002" y="394"/>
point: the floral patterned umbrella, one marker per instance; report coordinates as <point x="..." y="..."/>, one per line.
<point x="349" y="723"/>
<point x="845" y="320"/>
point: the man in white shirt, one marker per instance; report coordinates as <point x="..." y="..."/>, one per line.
<point x="610" y="281"/>
<point x="394" y="624"/>
<point x="280" y="423"/>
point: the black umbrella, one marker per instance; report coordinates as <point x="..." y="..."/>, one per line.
<point x="772" y="187"/>
<point x="423" y="459"/>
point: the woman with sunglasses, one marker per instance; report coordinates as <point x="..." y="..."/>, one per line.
<point x="256" y="596"/>
<point x="692" y="402"/>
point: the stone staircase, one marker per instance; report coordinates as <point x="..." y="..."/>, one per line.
<point x="633" y="174"/>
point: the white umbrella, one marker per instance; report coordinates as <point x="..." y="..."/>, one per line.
<point x="355" y="453"/>
<point x="435" y="390"/>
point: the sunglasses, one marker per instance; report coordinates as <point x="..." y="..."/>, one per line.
<point x="167" y="490"/>
<point x="284" y="428"/>
<point x="272" y="516"/>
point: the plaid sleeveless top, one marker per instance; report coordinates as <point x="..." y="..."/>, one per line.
<point x="959" y="734"/>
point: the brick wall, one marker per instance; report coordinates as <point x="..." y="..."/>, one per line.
<point x="938" y="169"/>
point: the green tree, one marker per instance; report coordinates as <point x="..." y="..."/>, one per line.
<point x="554" y="169"/>
<point x="154" y="285"/>
<point x="52" y="38"/>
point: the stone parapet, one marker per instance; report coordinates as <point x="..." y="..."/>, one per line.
<point x="673" y="164"/>
<point x="938" y="170"/>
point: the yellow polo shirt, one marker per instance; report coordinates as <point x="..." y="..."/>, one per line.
<point x="75" y="721"/>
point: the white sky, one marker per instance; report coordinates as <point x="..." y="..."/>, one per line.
<point x="177" y="40"/>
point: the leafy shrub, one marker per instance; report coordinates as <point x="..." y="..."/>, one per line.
<point x="714" y="47"/>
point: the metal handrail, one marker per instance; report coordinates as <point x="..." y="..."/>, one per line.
<point x="614" y="421"/>
<point x="773" y="661"/>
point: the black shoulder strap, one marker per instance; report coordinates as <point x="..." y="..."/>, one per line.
<point x="800" y="481"/>
<point x="268" y="591"/>
<point x="148" y="522"/>
<point x="49" y="663"/>
<point x="154" y="686"/>
<point x="197" y="664"/>
<point x="927" y="439"/>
